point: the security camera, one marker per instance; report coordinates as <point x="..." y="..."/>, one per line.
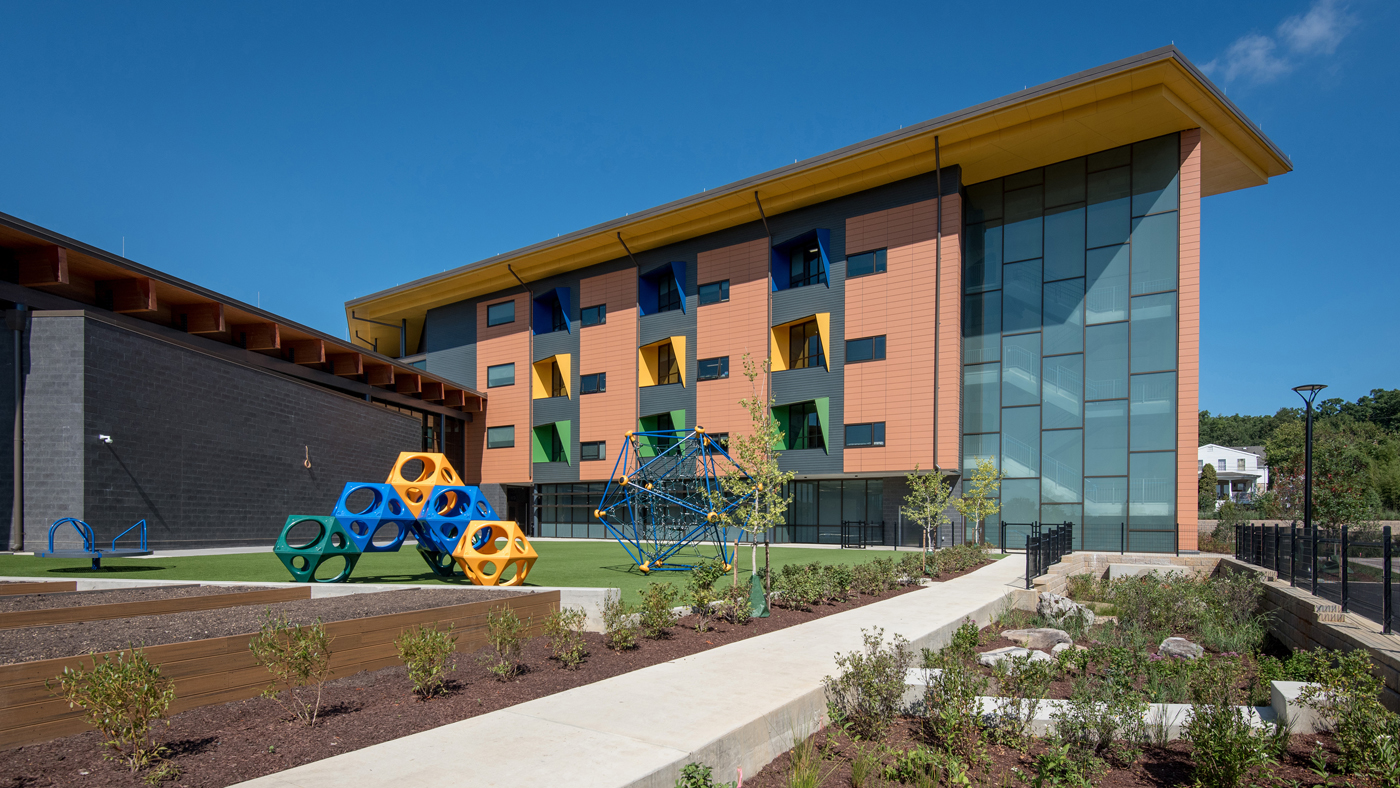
<point x="107" y="439"/>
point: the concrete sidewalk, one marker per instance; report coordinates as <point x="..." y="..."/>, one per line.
<point x="736" y="706"/>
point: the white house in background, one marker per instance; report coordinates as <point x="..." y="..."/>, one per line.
<point x="1240" y="471"/>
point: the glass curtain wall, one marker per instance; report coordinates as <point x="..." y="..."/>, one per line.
<point x="1070" y="344"/>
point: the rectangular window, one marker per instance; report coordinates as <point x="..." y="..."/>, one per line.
<point x="1153" y="332"/>
<point x="1106" y="438"/>
<point x="1220" y="463"/>
<point x="1020" y="370"/>
<point x="556" y="317"/>
<point x="804" y="427"/>
<point x="594" y="384"/>
<point x="500" y="314"/>
<point x="1020" y="442"/>
<point x="867" y="349"/>
<point x="1152" y="410"/>
<point x="1021" y="297"/>
<point x="805" y="346"/>
<point x="593" y="450"/>
<point x="593" y="315"/>
<point x="1239" y="465"/>
<point x="982" y="269"/>
<point x="714" y="292"/>
<point x="982" y="327"/>
<point x="500" y="437"/>
<point x="1106" y="366"/>
<point x="500" y="375"/>
<point x="1107" y="298"/>
<point x="713" y="368"/>
<point x="668" y="295"/>
<point x="721" y="438"/>
<point x="806" y="266"/>
<point x="556" y="384"/>
<point x="668" y="369"/>
<point x="981" y="397"/>
<point x="556" y="447"/>
<point x="858" y="435"/>
<point x="865" y="263"/>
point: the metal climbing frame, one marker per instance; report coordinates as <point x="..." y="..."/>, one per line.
<point x="664" y="501"/>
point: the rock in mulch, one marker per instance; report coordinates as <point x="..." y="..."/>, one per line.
<point x="1039" y="638"/>
<point x="993" y="658"/>
<point x="1180" y="647"/>
<point x="1058" y="647"/>
<point x="1056" y="608"/>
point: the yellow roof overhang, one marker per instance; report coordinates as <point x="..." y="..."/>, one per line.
<point x="1148" y="95"/>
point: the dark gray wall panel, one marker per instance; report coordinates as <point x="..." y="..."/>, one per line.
<point x="457" y="364"/>
<point x="450" y="326"/>
<point x="661" y="399"/>
<point x="55" y="435"/>
<point x="552" y="409"/>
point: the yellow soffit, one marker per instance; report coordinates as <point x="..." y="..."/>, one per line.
<point x="1148" y="95"/>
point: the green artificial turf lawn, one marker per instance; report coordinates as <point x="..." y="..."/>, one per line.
<point x="596" y="564"/>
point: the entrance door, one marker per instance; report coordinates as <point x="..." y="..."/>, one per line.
<point x="518" y="508"/>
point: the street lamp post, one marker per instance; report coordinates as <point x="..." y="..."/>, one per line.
<point x="1309" y="393"/>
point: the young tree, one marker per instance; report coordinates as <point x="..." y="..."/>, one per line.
<point x="756" y="451"/>
<point x="1206" y="493"/>
<point x="927" y="503"/>
<point x="979" y="498"/>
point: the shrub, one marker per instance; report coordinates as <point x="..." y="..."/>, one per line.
<point x="1083" y="588"/>
<point x="836" y="581"/>
<point x="1104" y="715"/>
<point x="952" y="712"/>
<point x="619" y="623"/>
<point x="426" y="652"/>
<point x="735" y="606"/>
<point x="867" y="693"/>
<point x="1225" y="748"/>
<point x="866" y="579"/>
<point x="695" y="775"/>
<point x="298" y="657"/>
<point x="1168" y="679"/>
<point x="564" y="631"/>
<point x="804" y="763"/>
<point x="505" y="635"/>
<point x="120" y="697"/>
<point x="797" y="588"/>
<point x="1056" y="767"/>
<point x="1023" y="683"/>
<point x="1347" y="696"/>
<point x="656" y="614"/>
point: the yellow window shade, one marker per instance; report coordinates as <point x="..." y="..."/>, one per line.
<point x="648" y="365"/>
<point x="542" y="376"/>
<point x="778" y="338"/>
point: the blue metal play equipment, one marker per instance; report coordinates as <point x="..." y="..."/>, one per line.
<point x="90" y="548"/>
<point x="664" y="500"/>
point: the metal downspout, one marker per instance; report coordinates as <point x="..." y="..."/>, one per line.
<point x="17" y="325"/>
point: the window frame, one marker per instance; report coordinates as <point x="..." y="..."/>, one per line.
<point x="601" y="311"/>
<point x="812" y="275"/>
<point x="877" y="435"/>
<point x="585" y="445"/>
<point x="490" y="321"/>
<point x="558" y="387"/>
<point x="667" y="375"/>
<point x="877" y="345"/>
<point x="721" y="368"/>
<point x="668" y="301"/>
<point x="491" y="385"/>
<point x="510" y="445"/>
<point x="879" y="263"/>
<point x="805" y="359"/>
<point x="601" y="378"/>
<point x="723" y="286"/>
<point x="806" y="435"/>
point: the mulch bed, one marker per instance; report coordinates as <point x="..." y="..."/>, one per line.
<point x="64" y="640"/>
<point x="220" y="745"/>
<point x="1156" y="768"/>
<point x="51" y="600"/>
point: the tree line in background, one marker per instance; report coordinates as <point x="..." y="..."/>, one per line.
<point x="1356" y="457"/>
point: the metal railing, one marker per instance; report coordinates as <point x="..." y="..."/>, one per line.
<point x="1347" y="565"/>
<point x="858" y="534"/>
<point x="1045" y="547"/>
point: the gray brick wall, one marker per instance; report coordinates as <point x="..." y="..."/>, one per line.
<point x="54" y="433"/>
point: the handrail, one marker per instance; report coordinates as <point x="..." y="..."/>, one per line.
<point x="84" y="530"/>
<point x="142" y="525"/>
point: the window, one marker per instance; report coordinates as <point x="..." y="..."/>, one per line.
<point x="805" y="346"/>
<point x="858" y="435"/>
<point x="668" y="371"/>
<point x="806" y="265"/>
<point x="555" y="450"/>
<point x="1239" y="465"/>
<point x="500" y="314"/>
<point x="867" y="349"/>
<point x="500" y="437"/>
<point x="714" y="368"/>
<point x="721" y="438"/>
<point x="556" y="384"/>
<point x="594" y="384"/>
<point x="556" y="317"/>
<point x="1202" y="468"/>
<point x="668" y="296"/>
<point x="1220" y="464"/>
<point x="714" y="292"/>
<point x="500" y="375"/>
<point x="594" y="315"/>
<point x="804" y="427"/>
<point x="593" y="450"/>
<point x="865" y="263"/>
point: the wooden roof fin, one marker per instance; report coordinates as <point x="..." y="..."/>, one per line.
<point x="131" y="296"/>
<point x="379" y="375"/>
<point x="44" y="265"/>
<point x="408" y="383"/>
<point x="347" y="365"/>
<point x="306" y="351"/>
<point x="258" y="336"/>
<point x="454" y="398"/>
<point x="205" y="318"/>
<point x="432" y="391"/>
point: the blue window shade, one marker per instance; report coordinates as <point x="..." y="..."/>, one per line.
<point x="649" y="286"/>
<point x="552" y="311"/>
<point x="781" y="270"/>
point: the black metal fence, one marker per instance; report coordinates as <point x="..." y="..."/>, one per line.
<point x="1349" y="565"/>
<point x="1098" y="538"/>
<point x="860" y="534"/>
<point x="1045" y="547"/>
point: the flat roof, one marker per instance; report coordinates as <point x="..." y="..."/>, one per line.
<point x="1146" y="95"/>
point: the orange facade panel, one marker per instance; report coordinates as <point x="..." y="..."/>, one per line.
<point x="731" y="328"/>
<point x="610" y="348"/>
<point x="948" y="418"/>
<point x="901" y="305"/>
<point x="505" y="405"/>
<point x="1188" y="338"/>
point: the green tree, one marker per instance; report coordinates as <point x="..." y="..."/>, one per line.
<point x="927" y="503"/>
<point x="756" y="451"/>
<point x="1207" y="493"/>
<point x="1344" y="453"/>
<point x="979" y="499"/>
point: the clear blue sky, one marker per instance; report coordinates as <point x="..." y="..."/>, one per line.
<point x="315" y="152"/>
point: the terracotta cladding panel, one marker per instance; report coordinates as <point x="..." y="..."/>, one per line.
<point x="731" y="329"/>
<point x="609" y="348"/>
<point x="507" y="405"/>
<point x="948" y="418"/>
<point x="1188" y="366"/>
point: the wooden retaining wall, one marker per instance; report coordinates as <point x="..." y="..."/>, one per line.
<point x="218" y="670"/>
<point x="44" y="587"/>
<point x="154" y="607"/>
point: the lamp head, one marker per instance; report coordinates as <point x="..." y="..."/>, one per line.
<point x="1309" y="391"/>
